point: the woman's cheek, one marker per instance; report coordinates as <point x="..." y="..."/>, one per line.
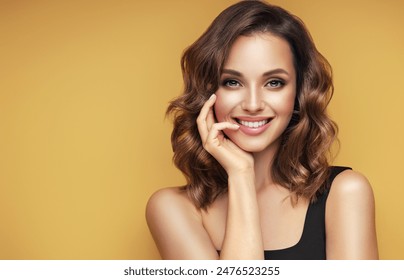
<point x="219" y="107"/>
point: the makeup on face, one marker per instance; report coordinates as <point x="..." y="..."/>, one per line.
<point x="257" y="90"/>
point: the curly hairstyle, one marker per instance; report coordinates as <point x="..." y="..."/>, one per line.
<point x="301" y="162"/>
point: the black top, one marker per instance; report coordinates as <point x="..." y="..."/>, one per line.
<point x="311" y="245"/>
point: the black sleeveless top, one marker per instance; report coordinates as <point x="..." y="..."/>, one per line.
<point x="311" y="245"/>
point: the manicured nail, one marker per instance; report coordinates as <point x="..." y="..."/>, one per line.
<point x="213" y="95"/>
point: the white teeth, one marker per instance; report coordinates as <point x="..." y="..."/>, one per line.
<point x="253" y="124"/>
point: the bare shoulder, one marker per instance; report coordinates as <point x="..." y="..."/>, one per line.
<point x="176" y="226"/>
<point x="350" y="184"/>
<point x="165" y="195"/>
<point x="350" y="218"/>
<point x="169" y="201"/>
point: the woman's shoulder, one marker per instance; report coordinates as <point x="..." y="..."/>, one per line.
<point x="170" y="201"/>
<point x="169" y="195"/>
<point x="350" y="183"/>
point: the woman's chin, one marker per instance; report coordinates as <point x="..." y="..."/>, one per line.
<point x="253" y="148"/>
<point x="256" y="145"/>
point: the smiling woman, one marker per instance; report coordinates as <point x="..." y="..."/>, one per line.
<point x="252" y="137"/>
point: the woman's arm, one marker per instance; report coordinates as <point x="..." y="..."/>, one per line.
<point x="243" y="237"/>
<point x="350" y="218"/>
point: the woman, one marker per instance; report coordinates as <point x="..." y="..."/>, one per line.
<point x="252" y="137"/>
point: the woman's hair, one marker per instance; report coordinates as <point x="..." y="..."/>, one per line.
<point x="301" y="162"/>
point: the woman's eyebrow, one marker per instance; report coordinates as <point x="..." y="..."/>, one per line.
<point x="268" y="73"/>
<point x="276" y="71"/>
<point x="232" y="72"/>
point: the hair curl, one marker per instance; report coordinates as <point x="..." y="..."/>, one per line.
<point x="301" y="163"/>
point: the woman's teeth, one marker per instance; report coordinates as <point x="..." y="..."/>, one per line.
<point x="253" y="124"/>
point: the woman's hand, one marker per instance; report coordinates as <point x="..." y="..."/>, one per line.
<point x="229" y="155"/>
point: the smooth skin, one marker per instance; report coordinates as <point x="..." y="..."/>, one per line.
<point x="258" y="83"/>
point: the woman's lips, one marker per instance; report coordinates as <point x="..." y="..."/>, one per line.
<point x="253" y="126"/>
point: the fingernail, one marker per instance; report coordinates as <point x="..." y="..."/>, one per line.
<point x="213" y="95"/>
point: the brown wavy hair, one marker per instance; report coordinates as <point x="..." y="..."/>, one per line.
<point x="301" y="163"/>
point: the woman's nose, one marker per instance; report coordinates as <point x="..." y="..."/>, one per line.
<point x="253" y="101"/>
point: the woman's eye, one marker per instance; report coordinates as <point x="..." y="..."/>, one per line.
<point x="231" y="83"/>
<point x="276" y="83"/>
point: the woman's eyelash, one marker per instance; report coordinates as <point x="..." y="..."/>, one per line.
<point x="276" y="83"/>
<point x="230" y="83"/>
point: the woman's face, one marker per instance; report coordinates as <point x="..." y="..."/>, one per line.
<point x="257" y="91"/>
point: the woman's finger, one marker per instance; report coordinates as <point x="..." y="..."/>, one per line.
<point x="206" y="119"/>
<point x="210" y="118"/>
<point x="216" y="130"/>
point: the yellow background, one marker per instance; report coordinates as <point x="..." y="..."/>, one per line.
<point x="83" y="90"/>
